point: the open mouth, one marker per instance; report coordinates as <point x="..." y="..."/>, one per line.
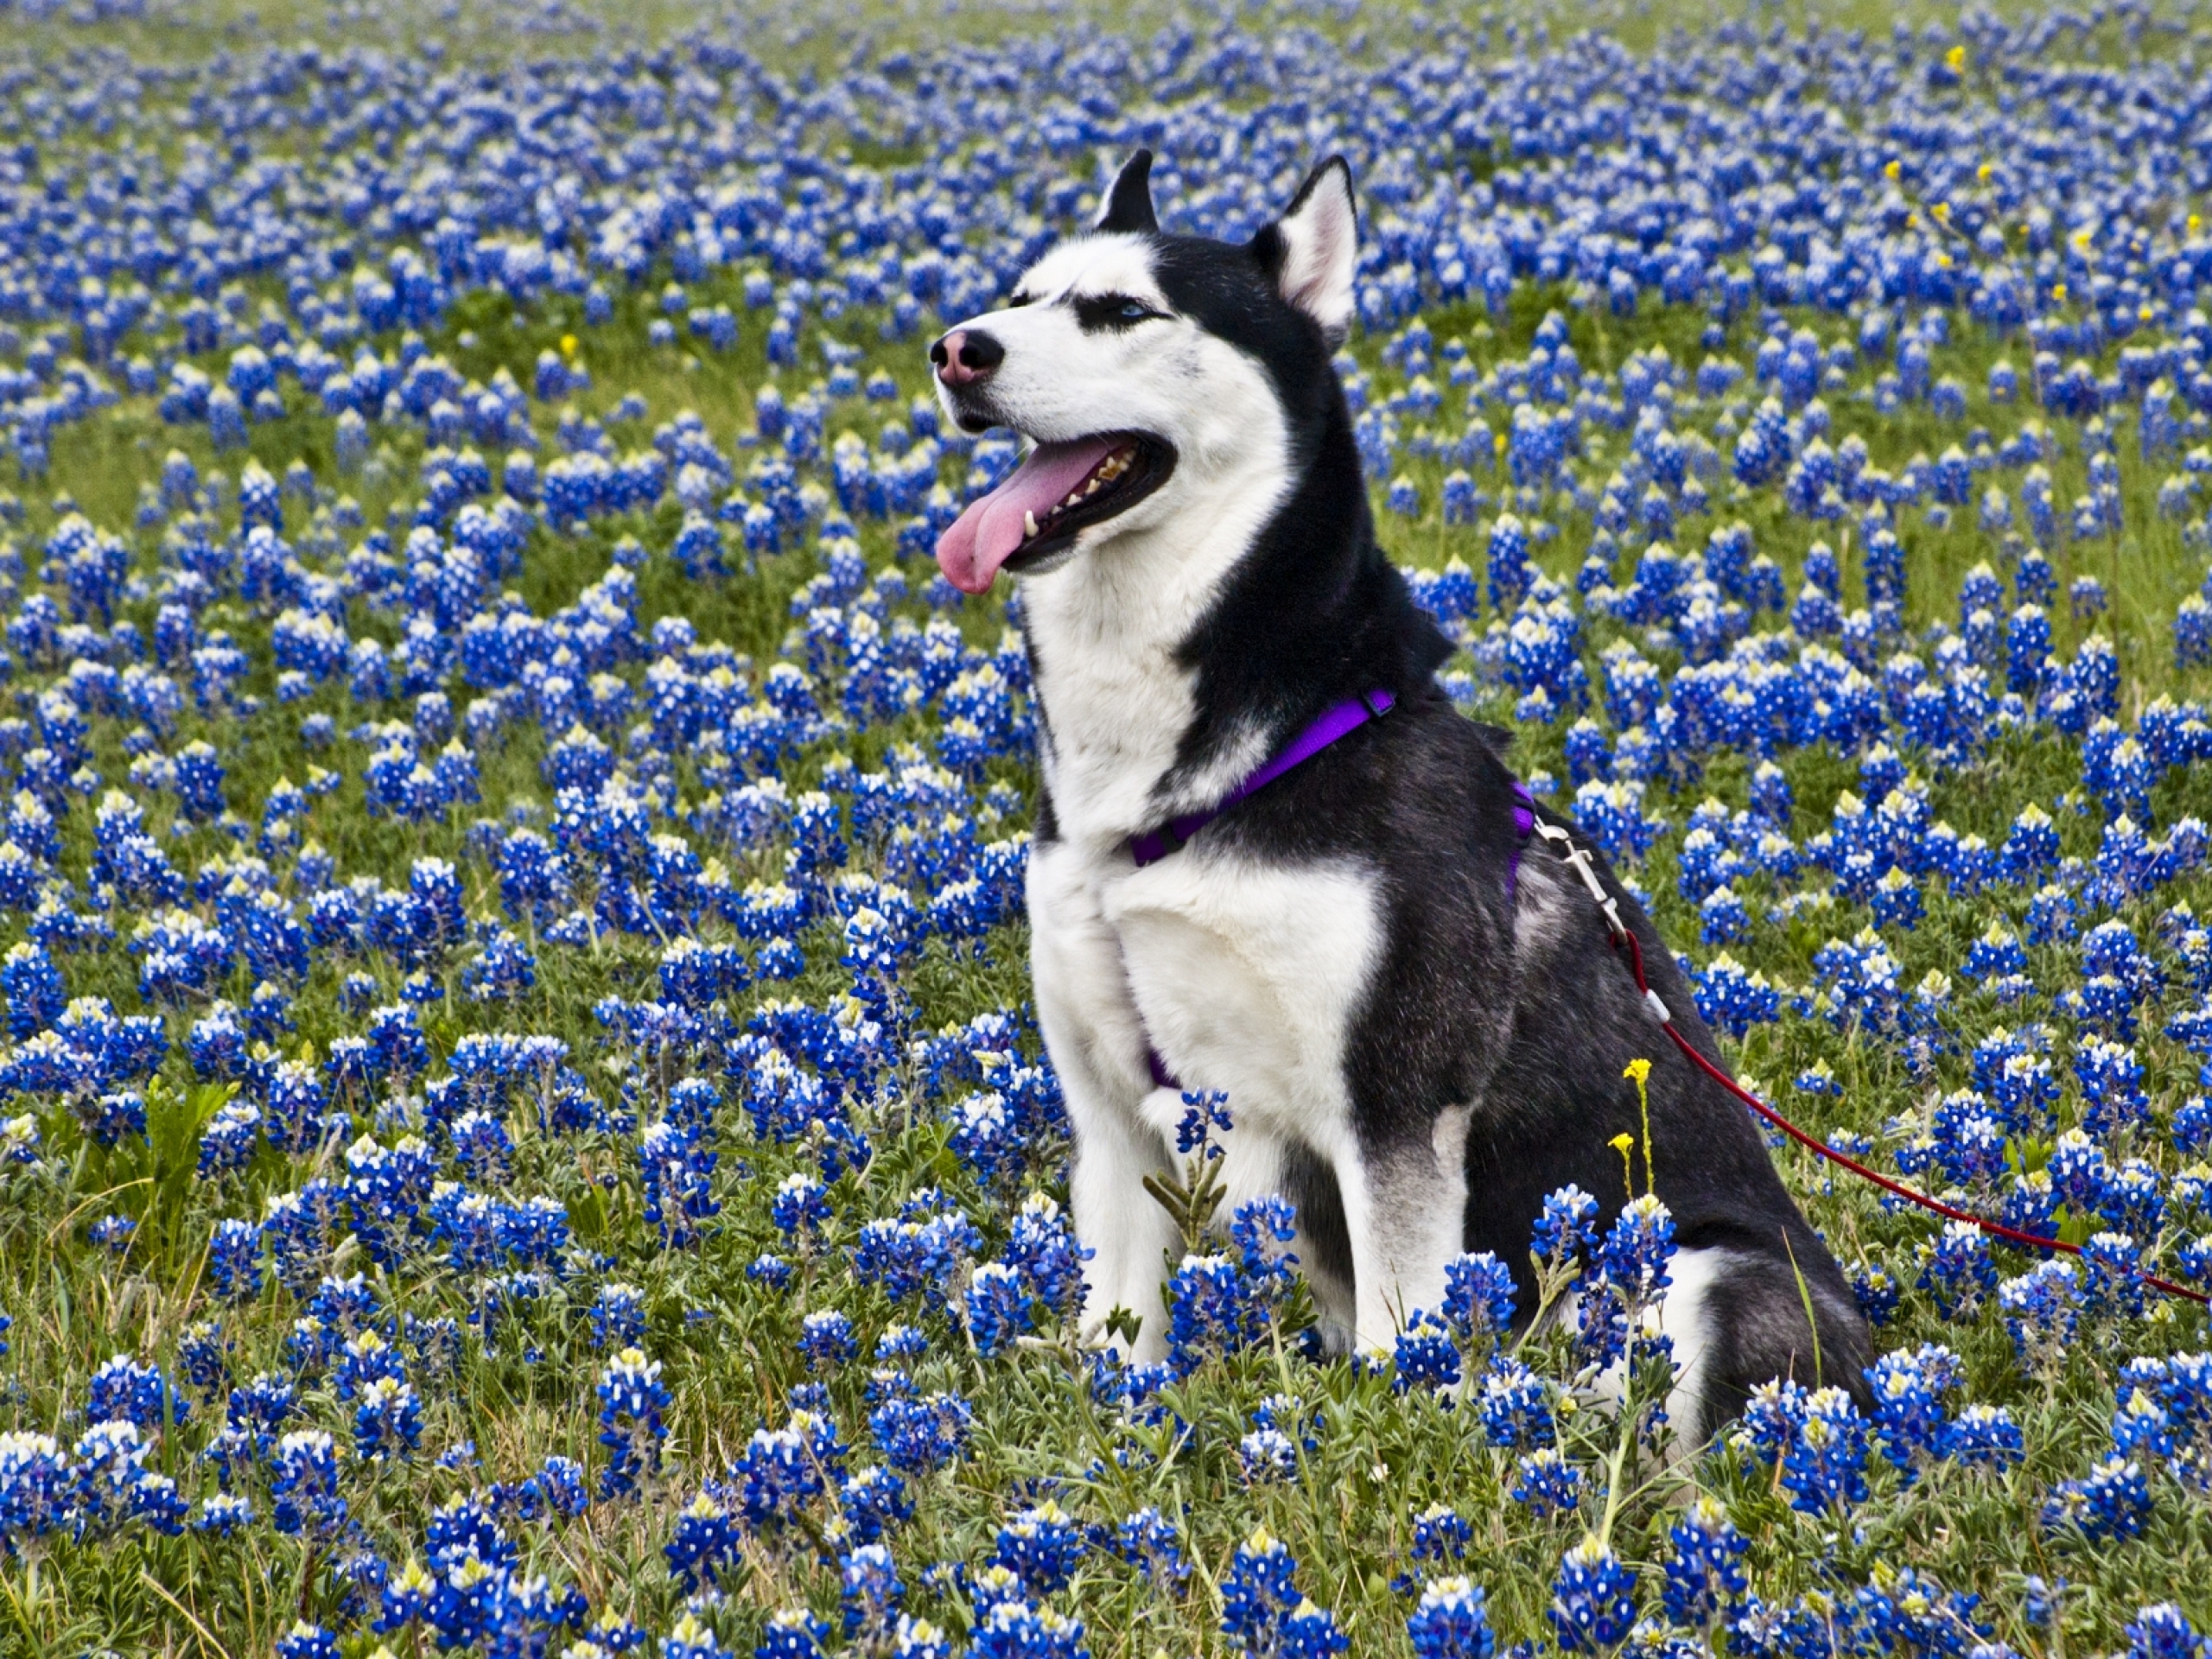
<point x="1059" y="489"/>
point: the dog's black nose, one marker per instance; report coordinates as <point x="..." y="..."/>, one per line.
<point x="965" y="356"/>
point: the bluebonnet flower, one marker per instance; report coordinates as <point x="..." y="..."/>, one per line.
<point x="1258" y="1591"/>
<point x="631" y="1399"/>
<point x="1479" y="1299"/>
<point x="123" y="1390"/>
<point x="1451" y="1622"/>
<point x="1265" y="1455"/>
<point x="223" y="1514"/>
<point x="1153" y="1545"/>
<point x="388" y="1421"/>
<point x="1705" y="1574"/>
<point x="869" y="1592"/>
<point x="234" y="1260"/>
<point x="677" y="1170"/>
<point x="1013" y="1630"/>
<point x="1546" y="1483"/>
<point x="872" y="1500"/>
<point x="1957" y="1269"/>
<point x="2163" y="1631"/>
<point x="916" y="1436"/>
<point x="1985" y="1436"/>
<point x="1568" y="1228"/>
<point x="1213" y="1308"/>
<point x="1593" y="1599"/>
<point x="34" y="1485"/>
<point x="1911" y="1416"/>
<point x="2113" y="1500"/>
<point x="1041" y="1547"/>
<point x="303" y="1484"/>
<point x="1425" y="1355"/>
<point x="1514" y="1404"/>
<point x="1824" y="1466"/>
<point x="826" y="1339"/>
<point x="1440" y="1535"/>
<point x="917" y="1638"/>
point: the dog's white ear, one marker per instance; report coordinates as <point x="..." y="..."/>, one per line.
<point x="1129" y="204"/>
<point x="1312" y="248"/>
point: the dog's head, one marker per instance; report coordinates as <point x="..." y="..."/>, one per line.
<point x="1141" y="365"/>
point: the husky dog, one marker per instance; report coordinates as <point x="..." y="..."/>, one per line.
<point x="1419" y="1036"/>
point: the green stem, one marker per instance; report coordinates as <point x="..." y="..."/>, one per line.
<point x="1615" y="1464"/>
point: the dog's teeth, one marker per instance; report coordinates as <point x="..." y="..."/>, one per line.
<point x="1029" y="524"/>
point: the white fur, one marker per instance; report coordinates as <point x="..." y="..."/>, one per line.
<point x="1686" y="1316"/>
<point x="1246" y="978"/>
<point x="1321" y="246"/>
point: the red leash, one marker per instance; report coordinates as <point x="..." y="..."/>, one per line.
<point x="1622" y="934"/>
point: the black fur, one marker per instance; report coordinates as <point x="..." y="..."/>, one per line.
<point x="1129" y="204"/>
<point x="1317" y="612"/>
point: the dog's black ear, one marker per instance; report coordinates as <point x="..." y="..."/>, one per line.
<point x="1129" y="204"/>
<point x="1312" y="250"/>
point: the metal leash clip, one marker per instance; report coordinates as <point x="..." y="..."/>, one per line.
<point x="1579" y="860"/>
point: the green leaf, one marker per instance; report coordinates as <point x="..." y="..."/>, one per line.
<point x="588" y="1214"/>
<point x="176" y="1119"/>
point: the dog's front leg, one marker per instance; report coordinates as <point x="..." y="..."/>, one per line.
<point x="1405" y="1202"/>
<point x="1098" y="1046"/>
<point x="1128" y="1234"/>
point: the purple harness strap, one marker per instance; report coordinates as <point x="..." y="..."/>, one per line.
<point x="1333" y="723"/>
<point x="1524" y="825"/>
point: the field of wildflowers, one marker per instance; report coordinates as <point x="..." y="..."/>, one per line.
<point x="522" y="1132"/>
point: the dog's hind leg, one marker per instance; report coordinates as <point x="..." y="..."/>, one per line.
<point x="1752" y="1320"/>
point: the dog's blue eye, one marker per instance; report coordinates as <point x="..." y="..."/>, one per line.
<point x="1134" y="310"/>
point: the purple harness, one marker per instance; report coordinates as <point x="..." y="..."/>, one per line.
<point x="1334" y="722"/>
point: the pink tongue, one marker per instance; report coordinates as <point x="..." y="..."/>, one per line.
<point x="984" y="536"/>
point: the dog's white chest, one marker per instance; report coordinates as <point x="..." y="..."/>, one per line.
<point x="1243" y="976"/>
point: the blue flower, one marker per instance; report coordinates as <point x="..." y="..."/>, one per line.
<point x="1911" y="1394"/>
<point x="1546" y="1483"/>
<point x="1593" y="1599"/>
<point x="631" y="1399"/>
<point x="1824" y="1466"/>
<point x="1515" y="1406"/>
<point x="1425" y="1355"/>
<point x="916" y="1436"/>
<point x="1041" y="1547"/>
<point x="1451" y="1622"/>
<point x="2113" y="1500"/>
<point x="1258" y="1593"/>
<point x="1705" y="1574"/>
<point x="2163" y="1631"/>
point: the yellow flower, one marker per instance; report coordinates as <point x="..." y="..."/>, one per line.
<point x="1637" y="1071"/>
<point x="1893" y="170"/>
<point x="568" y="345"/>
<point x="1956" y="57"/>
<point x="1984" y="171"/>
